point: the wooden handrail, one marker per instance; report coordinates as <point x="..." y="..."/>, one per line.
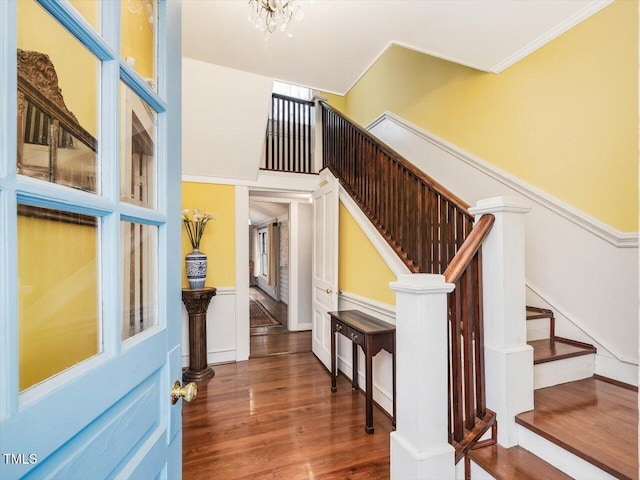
<point x="423" y="222"/>
<point x="399" y="159"/>
<point x="293" y="99"/>
<point x="469" y="248"/>
<point x="432" y="231"/>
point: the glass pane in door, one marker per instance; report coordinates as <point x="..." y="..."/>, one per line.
<point x="59" y="312"/>
<point x="137" y="149"/>
<point x="90" y="10"/>
<point x="139" y="247"/>
<point x="138" y="36"/>
<point x="57" y="102"/>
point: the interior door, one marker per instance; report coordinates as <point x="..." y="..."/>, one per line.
<point x="325" y="263"/>
<point x="90" y="274"/>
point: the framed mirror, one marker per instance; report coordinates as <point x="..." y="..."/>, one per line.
<point x="52" y="145"/>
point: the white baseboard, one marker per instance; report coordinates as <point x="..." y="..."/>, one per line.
<point x="560" y="458"/>
<point x="610" y="367"/>
<point x="213" y="357"/>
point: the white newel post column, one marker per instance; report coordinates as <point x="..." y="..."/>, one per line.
<point x="508" y="358"/>
<point x="317" y="133"/>
<point x="419" y="446"/>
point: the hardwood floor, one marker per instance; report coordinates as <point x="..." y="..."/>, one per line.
<point x="514" y="463"/>
<point x="278" y="309"/>
<point x="276" y="418"/>
<point x="280" y="344"/>
<point x="276" y="340"/>
<point x="594" y="419"/>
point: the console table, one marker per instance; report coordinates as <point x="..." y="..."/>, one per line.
<point x="372" y="335"/>
<point x="196" y="303"/>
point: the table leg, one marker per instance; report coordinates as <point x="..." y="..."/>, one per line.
<point x="354" y="373"/>
<point x="333" y="358"/>
<point x="368" y="427"/>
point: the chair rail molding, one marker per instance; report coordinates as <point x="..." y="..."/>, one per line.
<point x="593" y="225"/>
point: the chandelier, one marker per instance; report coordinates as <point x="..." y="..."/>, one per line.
<point x="271" y="15"/>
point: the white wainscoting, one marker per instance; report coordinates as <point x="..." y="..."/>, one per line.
<point x="382" y="362"/>
<point x="575" y="264"/>
<point x="221" y="328"/>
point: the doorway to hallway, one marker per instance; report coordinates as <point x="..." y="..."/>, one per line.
<point x="269" y="334"/>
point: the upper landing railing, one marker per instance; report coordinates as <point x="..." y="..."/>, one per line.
<point x="289" y="135"/>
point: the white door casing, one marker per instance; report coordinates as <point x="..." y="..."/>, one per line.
<point x="325" y="263"/>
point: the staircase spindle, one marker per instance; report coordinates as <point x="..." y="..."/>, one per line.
<point x="432" y="231"/>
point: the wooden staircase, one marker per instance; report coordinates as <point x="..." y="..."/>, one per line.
<point x="556" y="359"/>
<point x="582" y="426"/>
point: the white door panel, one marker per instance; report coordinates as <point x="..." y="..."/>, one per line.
<point x="325" y="263"/>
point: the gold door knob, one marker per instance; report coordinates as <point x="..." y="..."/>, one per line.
<point x="328" y="290"/>
<point x="188" y="392"/>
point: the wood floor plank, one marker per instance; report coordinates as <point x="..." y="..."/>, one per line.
<point x="593" y="419"/>
<point x="515" y="463"/>
<point x="276" y="418"/>
<point x="280" y="343"/>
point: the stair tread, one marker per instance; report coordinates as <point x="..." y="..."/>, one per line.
<point x="534" y="313"/>
<point x="548" y="350"/>
<point x="591" y="418"/>
<point x="515" y="463"/>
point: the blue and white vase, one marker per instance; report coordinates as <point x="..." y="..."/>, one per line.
<point x="196" y="264"/>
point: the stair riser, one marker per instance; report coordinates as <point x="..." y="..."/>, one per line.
<point x="479" y="473"/>
<point x="537" y="329"/>
<point x="563" y="371"/>
<point x="559" y="457"/>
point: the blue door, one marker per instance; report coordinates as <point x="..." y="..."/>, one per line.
<point x="90" y="239"/>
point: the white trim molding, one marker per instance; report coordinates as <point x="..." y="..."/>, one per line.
<point x="380" y="244"/>
<point x="551" y="34"/>
<point x="593" y="225"/>
<point x="373" y="305"/>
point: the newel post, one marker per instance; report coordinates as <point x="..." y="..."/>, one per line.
<point x="508" y="358"/>
<point x="419" y="446"/>
<point x="317" y="133"/>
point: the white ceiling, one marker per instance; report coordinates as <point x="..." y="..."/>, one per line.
<point x="261" y="213"/>
<point x="338" y="40"/>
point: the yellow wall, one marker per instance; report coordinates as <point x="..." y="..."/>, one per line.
<point x="58" y="304"/>
<point x="90" y="10"/>
<point x="361" y="269"/>
<point x="218" y="241"/>
<point x="564" y="119"/>
<point x="136" y="35"/>
<point x="339" y="102"/>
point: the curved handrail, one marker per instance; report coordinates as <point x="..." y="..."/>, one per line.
<point x="469" y="248"/>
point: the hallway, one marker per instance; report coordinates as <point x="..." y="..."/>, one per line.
<point x="275" y="339"/>
<point x="276" y="418"/>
